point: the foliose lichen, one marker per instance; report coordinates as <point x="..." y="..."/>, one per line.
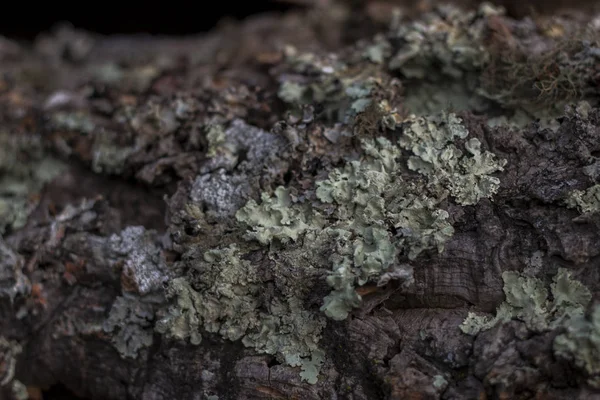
<point x="25" y="168"/>
<point x="143" y="272"/>
<point x="448" y="42"/>
<point x="274" y="218"/>
<point x="528" y="300"/>
<point x="580" y="344"/>
<point x="130" y="325"/>
<point x="586" y="201"/>
<point x="227" y="301"/>
<point x="9" y="350"/>
<point x="336" y="85"/>
<point x="467" y="177"/>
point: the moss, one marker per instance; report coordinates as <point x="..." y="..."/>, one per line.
<point x="528" y="300"/>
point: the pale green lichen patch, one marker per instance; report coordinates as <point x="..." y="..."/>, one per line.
<point x="441" y="57"/>
<point x="343" y="89"/>
<point x="9" y="350"/>
<point x="528" y="300"/>
<point x="130" y="324"/>
<point x="580" y="344"/>
<point x="24" y="170"/>
<point x="365" y="201"/>
<point x="292" y="333"/>
<point x="586" y="201"/>
<point x="448" y="42"/>
<point x="227" y="301"/>
<point x="274" y="218"/>
<point x="371" y="200"/>
<point x="466" y="175"/>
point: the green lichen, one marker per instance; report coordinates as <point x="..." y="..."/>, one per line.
<point x="366" y="201"/>
<point x="379" y="50"/>
<point x="19" y="390"/>
<point x="439" y="382"/>
<point x="73" y="121"/>
<point x="227" y="301"/>
<point x="447" y="42"/>
<point x="9" y="350"/>
<point x="466" y="176"/>
<point x="217" y="141"/>
<point x="586" y="201"/>
<point x="580" y="344"/>
<point x="342" y="90"/>
<point x="357" y="224"/>
<point x="292" y="333"/>
<point x="527" y="300"/>
<point x="274" y="218"/>
<point x="371" y="200"/>
<point x="107" y="157"/>
<point x="25" y="168"/>
<point x="130" y="325"/>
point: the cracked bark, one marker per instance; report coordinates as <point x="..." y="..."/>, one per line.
<point x="70" y="262"/>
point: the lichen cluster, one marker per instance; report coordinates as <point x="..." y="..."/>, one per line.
<point x="366" y="213"/>
<point x="25" y="168"/>
<point x="528" y="300"/>
<point x="227" y="301"/>
<point x="586" y="201"/>
<point x="580" y="344"/>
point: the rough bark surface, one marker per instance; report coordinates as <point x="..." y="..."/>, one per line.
<point x="125" y="162"/>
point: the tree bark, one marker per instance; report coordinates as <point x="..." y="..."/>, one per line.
<point x="126" y="160"/>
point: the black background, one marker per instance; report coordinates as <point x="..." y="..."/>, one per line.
<point x="25" y="20"/>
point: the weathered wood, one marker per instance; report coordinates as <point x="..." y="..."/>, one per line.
<point x="127" y="270"/>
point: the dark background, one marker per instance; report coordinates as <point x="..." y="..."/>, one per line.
<point x="27" y="19"/>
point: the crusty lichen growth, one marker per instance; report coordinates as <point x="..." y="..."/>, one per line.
<point x="143" y="272"/>
<point x="342" y="87"/>
<point x="527" y="300"/>
<point x="580" y="344"/>
<point x="130" y="325"/>
<point x="24" y="170"/>
<point x="227" y="301"/>
<point x="13" y="282"/>
<point x="447" y="42"/>
<point x="9" y="350"/>
<point x="586" y="201"/>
